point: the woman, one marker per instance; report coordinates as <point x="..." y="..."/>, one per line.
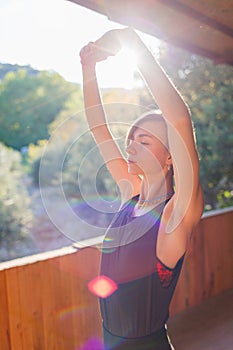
<point x="145" y="245"/>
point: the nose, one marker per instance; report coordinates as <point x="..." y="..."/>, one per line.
<point x="130" y="149"/>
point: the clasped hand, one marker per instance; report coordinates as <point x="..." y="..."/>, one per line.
<point x="108" y="45"/>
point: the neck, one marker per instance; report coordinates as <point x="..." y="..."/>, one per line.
<point x="153" y="193"/>
<point x="151" y="190"/>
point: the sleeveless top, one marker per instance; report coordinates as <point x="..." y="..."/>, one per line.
<point x="144" y="286"/>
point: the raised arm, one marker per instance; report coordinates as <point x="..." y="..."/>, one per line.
<point x="129" y="185"/>
<point x="188" y="198"/>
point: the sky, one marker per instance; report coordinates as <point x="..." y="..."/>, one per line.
<point x="48" y="35"/>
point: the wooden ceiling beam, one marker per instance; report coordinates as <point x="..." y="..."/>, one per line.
<point x="199" y="16"/>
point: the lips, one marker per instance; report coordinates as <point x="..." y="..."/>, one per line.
<point x="130" y="161"/>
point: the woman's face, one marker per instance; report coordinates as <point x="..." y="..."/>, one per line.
<point x="147" y="152"/>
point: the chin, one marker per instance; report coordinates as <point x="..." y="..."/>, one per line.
<point x="134" y="171"/>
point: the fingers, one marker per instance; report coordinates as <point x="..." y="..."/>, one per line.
<point x="108" y="45"/>
<point x="92" y="53"/>
<point x="86" y="54"/>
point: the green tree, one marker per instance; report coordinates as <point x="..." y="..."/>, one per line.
<point x="63" y="131"/>
<point x="207" y="88"/>
<point x="28" y="104"/>
<point x="7" y="67"/>
<point x="15" y="215"/>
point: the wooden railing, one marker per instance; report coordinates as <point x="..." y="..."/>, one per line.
<point x="209" y="263"/>
<point x="45" y="303"/>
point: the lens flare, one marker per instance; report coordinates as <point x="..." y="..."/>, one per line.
<point x="94" y="344"/>
<point x="102" y="286"/>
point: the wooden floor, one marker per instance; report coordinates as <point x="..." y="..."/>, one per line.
<point x="208" y="326"/>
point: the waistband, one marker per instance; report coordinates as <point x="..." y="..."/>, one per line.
<point x="157" y="335"/>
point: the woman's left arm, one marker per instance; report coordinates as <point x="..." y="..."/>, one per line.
<point x="188" y="198"/>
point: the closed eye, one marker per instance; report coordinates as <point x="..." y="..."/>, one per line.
<point x="144" y="139"/>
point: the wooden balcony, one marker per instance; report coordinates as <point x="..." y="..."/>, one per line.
<point x="45" y="303"/>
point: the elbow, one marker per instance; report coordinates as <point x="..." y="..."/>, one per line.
<point x="179" y="115"/>
<point x="184" y="115"/>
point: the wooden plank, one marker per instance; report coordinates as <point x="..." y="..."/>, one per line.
<point x="4" y="318"/>
<point x="218" y="254"/>
<point x="88" y="324"/>
<point x="14" y="309"/>
<point x="227" y="254"/>
<point x="50" y="291"/>
<point x="65" y="312"/>
<point x="191" y="275"/>
<point x="87" y="263"/>
<point x="30" y="302"/>
<point x="79" y="320"/>
<point x="208" y="266"/>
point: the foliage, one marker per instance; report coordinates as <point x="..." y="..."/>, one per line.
<point x="33" y="157"/>
<point x="63" y="130"/>
<point x="82" y="165"/>
<point x="28" y="104"/>
<point x="14" y="200"/>
<point x="207" y="88"/>
<point x="7" y="67"/>
<point x="77" y="165"/>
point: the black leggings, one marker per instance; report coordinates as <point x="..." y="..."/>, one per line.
<point x="156" y="341"/>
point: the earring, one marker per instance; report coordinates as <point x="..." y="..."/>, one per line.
<point x="168" y="167"/>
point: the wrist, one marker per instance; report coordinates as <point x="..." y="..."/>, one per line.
<point x="90" y="65"/>
<point x="89" y="69"/>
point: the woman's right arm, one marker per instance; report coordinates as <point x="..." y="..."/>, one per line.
<point x="128" y="184"/>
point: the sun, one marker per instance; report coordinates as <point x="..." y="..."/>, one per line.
<point x="128" y="57"/>
<point x="126" y="65"/>
<point x="119" y="70"/>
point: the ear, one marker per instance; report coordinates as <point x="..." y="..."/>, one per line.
<point x="169" y="159"/>
<point x="169" y="164"/>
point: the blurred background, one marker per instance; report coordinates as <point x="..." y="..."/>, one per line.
<point x="42" y="118"/>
